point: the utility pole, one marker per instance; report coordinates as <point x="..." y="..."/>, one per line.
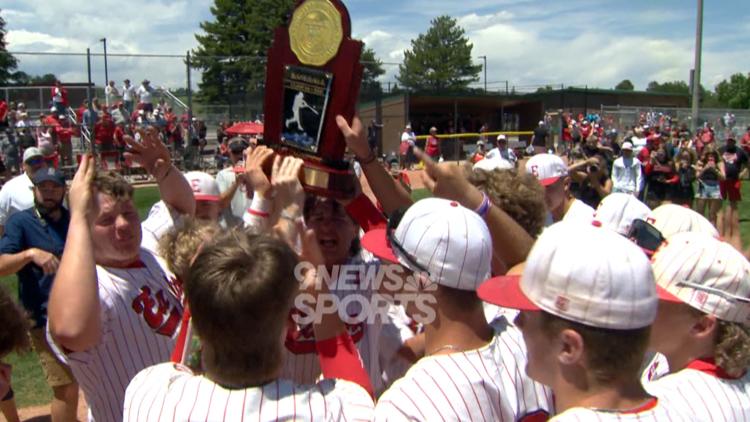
<point x="697" y="66"/>
<point x="485" y="72"/>
<point x="106" y="72"/>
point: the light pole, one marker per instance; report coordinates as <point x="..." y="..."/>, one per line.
<point x="485" y="72"/>
<point x="697" y="67"/>
<point x="106" y="73"/>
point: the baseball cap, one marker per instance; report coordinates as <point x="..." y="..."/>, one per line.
<point x="31" y="153"/>
<point x="237" y="145"/>
<point x="627" y="145"/>
<point x="204" y="186"/>
<point x="501" y="137"/>
<point x="705" y="273"/>
<point x="573" y="273"/>
<point x="50" y="174"/>
<point x="440" y="237"/>
<point x="617" y="211"/>
<point x="548" y="168"/>
<point x="490" y="164"/>
<point x="671" y="219"/>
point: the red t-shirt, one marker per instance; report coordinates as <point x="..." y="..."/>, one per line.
<point x="432" y="147"/>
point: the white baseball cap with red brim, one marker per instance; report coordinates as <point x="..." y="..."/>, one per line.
<point x="441" y="238"/>
<point x="583" y="274"/>
<point x="204" y="186"/>
<point x="547" y="168"/>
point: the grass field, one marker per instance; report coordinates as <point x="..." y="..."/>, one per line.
<point x="28" y="378"/>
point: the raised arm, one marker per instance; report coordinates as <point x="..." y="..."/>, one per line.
<point x="388" y="191"/>
<point x="74" y="310"/>
<point x="154" y="156"/>
<point x="510" y="242"/>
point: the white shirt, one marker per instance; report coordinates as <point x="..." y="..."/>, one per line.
<point x="145" y="94"/>
<point x="626" y="175"/>
<point x="408" y="137"/>
<point x="159" y="221"/>
<point x="655" y="410"/>
<point x="240" y="202"/>
<point x="110" y="94"/>
<point x="580" y="212"/>
<point x="170" y="392"/>
<point x="484" y="384"/>
<point x="16" y="195"/>
<point x="140" y="314"/>
<point x="496" y="153"/>
<point x="705" y="392"/>
<point x="128" y="92"/>
<point x="57" y="97"/>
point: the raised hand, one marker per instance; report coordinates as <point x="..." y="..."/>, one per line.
<point x="355" y="136"/>
<point x="255" y="159"/>
<point x="80" y="195"/>
<point x="285" y="184"/>
<point x="150" y="153"/>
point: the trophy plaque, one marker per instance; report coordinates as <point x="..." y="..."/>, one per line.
<point x="313" y="74"/>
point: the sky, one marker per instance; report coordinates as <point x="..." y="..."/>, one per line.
<point x="527" y="42"/>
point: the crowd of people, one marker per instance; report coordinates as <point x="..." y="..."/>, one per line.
<point x="104" y="122"/>
<point x="531" y="285"/>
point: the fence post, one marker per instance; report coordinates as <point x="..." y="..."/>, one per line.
<point x="189" y="100"/>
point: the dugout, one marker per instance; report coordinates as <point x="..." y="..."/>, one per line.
<point x="587" y="100"/>
<point x="450" y="115"/>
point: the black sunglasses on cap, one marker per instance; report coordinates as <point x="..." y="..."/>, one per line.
<point x="390" y="235"/>
<point x="643" y="234"/>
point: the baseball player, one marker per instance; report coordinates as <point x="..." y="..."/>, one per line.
<point x="15" y="194"/>
<point x="471" y="371"/>
<point x="553" y="175"/>
<point x="113" y="308"/>
<point x="585" y="315"/>
<point x="703" y="328"/>
<point x="240" y="290"/>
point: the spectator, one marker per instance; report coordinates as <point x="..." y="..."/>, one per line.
<point x="110" y="94"/>
<point x="16" y="195"/>
<point x="106" y="288"/>
<point x="11" y="153"/>
<point x="59" y="98"/>
<point x="145" y="97"/>
<point x="373" y="135"/>
<point x="104" y="134"/>
<point x="406" y="148"/>
<point x="502" y="151"/>
<point x="120" y="115"/>
<point x="745" y="141"/>
<point x="91" y="115"/>
<point x="685" y="169"/>
<point x="65" y="139"/>
<point x="661" y="177"/>
<point x="235" y="195"/>
<point x="626" y="172"/>
<point x="479" y="152"/>
<point x="128" y="94"/>
<point x="31" y="245"/>
<point x="432" y="146"/>
<point x="3" y="115"/>
<point x="13" y="338"/>
<point x="539" y="138"/>
<point x="710" y="173"/>
<point x="734" y="160"/>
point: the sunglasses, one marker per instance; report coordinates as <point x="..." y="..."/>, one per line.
<point x="648" y="237"/>
<point x="390" y="235"/>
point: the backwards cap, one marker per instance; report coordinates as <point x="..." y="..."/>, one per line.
<point x="671" y="219"/>
<point x="618" y="210"/>
<point x="583" y="274"/>
<point x="705" y="273"/>
<point x="449" y="241"/>
<point x="204" y="186"/>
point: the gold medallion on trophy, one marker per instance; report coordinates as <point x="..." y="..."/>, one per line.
<point x="316" y="32"/>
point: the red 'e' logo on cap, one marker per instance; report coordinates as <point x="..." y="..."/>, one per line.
<point x="562" y="303"/>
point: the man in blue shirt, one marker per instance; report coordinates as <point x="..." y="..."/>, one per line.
<point x="31" y="247"/>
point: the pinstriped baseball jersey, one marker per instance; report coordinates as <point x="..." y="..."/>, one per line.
<point x="171" y="392"/>
<point x="654" y="410"/>
<point x="704" y="391"/>
<point x="487" y="384"/>
<point x="140" y="316"/>
<point x="301" y="363"/>
<point x="160" y="219"/>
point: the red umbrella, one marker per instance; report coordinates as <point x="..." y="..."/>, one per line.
<point x="245" y="128"/>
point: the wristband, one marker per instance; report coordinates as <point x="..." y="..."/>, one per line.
<point x="484" y="207"/>
<point x="260" y="206"/>
<point x="169" y="170"/>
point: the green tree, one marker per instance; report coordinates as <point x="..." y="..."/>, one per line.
<point x="735" y="92"/>
<point x="625" y="85"/>
<point x="232" y="48"/>
<point x="8" y="63"/>
<point x="373" y="70"/>
<point x="439" y="60"/>
<point x="673" y="87"/>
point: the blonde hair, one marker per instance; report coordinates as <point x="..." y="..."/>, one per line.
<point x="732" y="351"/>
<point x="181" y="244"/>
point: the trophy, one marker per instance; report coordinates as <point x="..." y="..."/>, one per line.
<point x="313" y="74"/>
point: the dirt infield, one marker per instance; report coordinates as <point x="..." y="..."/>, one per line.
<point x="41" y="413"/>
